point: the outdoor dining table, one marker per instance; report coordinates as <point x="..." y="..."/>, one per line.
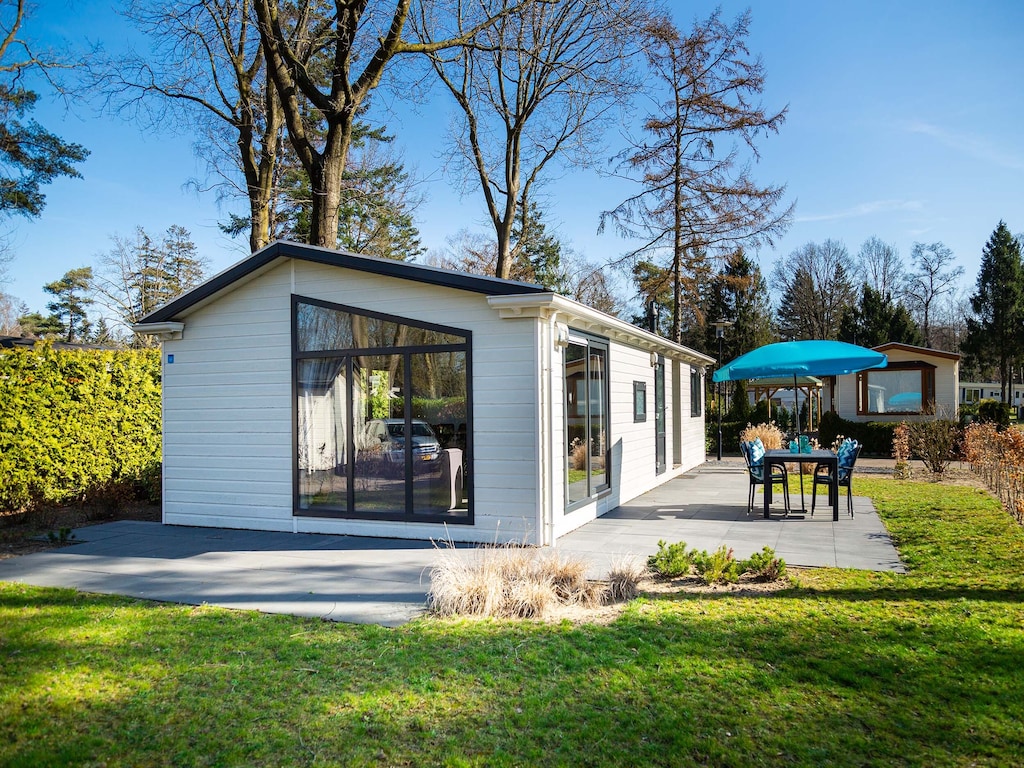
<point x="783" y="456"/>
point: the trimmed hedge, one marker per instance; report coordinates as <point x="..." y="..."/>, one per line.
<point x="875" y="436"/>
<point x="78" y="426"/>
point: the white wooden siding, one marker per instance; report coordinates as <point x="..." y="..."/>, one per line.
<point x="229" y="415"/>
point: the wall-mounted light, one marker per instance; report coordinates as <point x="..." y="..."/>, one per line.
<point x="561" y="335"/>
<point x="654" y="359"/>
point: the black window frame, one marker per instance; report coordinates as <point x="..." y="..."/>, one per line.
<point x="605" y="488"/>
<point x="349" y="513"/>
<point x="696" y="393"/>
<point x="639" y="401"/>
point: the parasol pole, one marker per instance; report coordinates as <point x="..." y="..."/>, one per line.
<point x="796" y="418"/>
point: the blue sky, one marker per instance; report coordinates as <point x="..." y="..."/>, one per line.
<point x="905" y="122"/>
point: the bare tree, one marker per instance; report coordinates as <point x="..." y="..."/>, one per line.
<point x="10" y="310"/>
<point x="137" y="275"/>
<point x="206" y="63"/>
<point x="880" y="266"/>
<point x="359" y="39"/>
<point x="698" y="200"/>
<point x="538" y="87"/>
<point x="815" y="283"/>
<point x="933" y="276"/>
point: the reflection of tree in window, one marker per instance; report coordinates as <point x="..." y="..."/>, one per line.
<point x="381" y="417"/>
<point x="586" y="393"/>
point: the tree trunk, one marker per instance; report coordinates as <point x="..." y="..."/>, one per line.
<point x="325" y="180"/>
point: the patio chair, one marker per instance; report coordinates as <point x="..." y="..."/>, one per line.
<point x="753" y="457"/>
<point x="848" y="453"/>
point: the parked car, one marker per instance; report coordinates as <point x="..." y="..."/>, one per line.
<point x="390" y="433"/>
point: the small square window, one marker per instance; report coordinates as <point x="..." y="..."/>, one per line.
<point x="639" y="401"/>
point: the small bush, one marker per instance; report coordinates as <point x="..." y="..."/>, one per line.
<point x="671" y="560"/>
<point x="995" y="412"/>
<point x="719" y="567"/>
<point x="765" y="566"/>
<point x="935" y="443"/>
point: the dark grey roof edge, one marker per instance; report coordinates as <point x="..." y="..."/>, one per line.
<point x="421" y="273"/>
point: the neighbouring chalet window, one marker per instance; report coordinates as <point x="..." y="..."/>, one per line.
<point x="900" y="388"/>
<point x="971" y="395"/>
<point x="586" y="418"/>
<point x="382" y="416"/>
<point x="696" y="393"/>
<point x="639" y="401"/>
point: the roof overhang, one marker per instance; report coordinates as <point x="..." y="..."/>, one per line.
<point x="164" y="331"/>
<point x="280" y="251"/>
<point x="553" y="307"/>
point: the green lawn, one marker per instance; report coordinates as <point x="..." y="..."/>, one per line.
<point x="848" y="668"/>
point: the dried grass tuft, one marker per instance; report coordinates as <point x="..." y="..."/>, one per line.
<point x="520" y="582"/>
<point x="624" y="578"/>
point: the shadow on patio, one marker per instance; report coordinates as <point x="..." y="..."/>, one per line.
<point x="707" y="507"/>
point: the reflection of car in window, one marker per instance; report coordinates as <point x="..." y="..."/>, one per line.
<point x="390" y="433"/>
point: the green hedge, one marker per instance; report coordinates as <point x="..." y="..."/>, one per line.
<point x="874" y="436"/>
<point x="78" y="426"/>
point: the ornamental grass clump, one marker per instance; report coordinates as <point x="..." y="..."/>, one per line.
<point x="513" y="582"/>
<point x="624" y="578"/>
<point x="772" y="437"/>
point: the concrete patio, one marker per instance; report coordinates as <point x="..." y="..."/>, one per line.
<point x="385" y="581"/>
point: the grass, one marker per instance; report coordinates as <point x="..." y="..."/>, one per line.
<point x="848" y="668"/>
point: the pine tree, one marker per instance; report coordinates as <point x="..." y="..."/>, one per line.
<point x="877" y="320"/>
<point x="71" y="301"/>
<point x="995" y="335"/>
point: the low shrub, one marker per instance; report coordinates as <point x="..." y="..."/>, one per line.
<point x="719" y="567"/>
<point x="671" y="560"/>
<point x="765" y="566"/>
<point x="936" y="443"/>
<point x="875" y="437"/>
<point x="901" y="451"/>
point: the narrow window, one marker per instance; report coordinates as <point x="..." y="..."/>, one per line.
<point x="586" y="418"/>
<point x="696" y="392"/>
<point x="639" y="401"/>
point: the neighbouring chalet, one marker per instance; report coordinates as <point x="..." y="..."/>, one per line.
<point x="918" y="383"/>
<point x="312" y="390"/>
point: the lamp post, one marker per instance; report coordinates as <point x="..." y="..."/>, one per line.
<point x="720" y="326"/>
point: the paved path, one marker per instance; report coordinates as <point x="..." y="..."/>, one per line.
<point x="385" y="581"/>
<point x="340" y="578"/>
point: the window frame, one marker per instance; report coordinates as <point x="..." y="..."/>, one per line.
<point x="927" y="371"/>
<point x="639" y="399"/>
<point x="407" y="352"/>
<point x="696" y="393"/>
<point x="589" y="342"/>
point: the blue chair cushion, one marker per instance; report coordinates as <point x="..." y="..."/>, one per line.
<point x="846" y="453"/>
<point x="756" y="452"/>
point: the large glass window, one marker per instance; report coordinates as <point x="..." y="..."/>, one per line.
<point x="586" y="418"/>
<point x="382" y="416"/>
<point x="900" y="388"/>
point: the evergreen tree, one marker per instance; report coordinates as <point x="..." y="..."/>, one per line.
<point x="30" y="156"/>
<point x="995" y="335"/>
<point x="817" y="290"/>
<point x="877" y="320"/>
<point x="38" y="326"/>
<point x="71" y="300"/>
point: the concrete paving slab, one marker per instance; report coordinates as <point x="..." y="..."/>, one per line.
<point x="385" y="581"/>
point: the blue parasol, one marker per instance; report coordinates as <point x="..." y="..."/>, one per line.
<point x="801" y="358"/>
